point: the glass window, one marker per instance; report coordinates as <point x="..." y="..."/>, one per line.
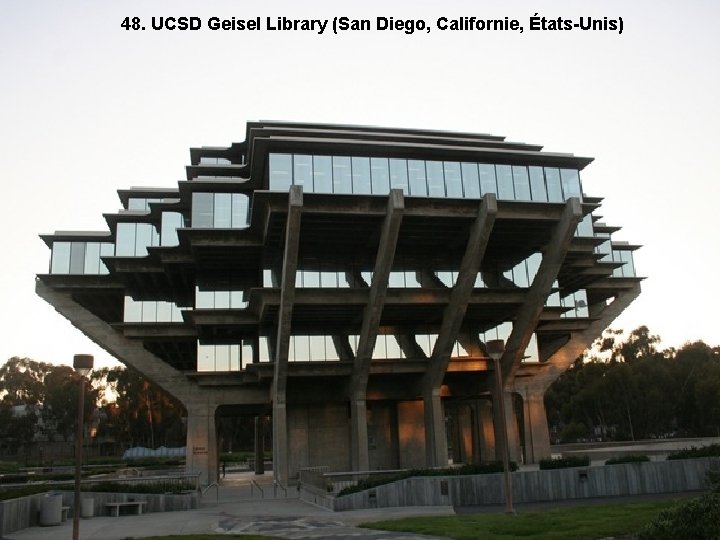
<point x="330" y="349"/>
<point x="487" y="178"/>
<point x="628" y="269"/>
<point x="380" y="176"/>
<point x="470" y="180"/>
<point x="399" y="175"/>
<point x="533" y="265"/>
<point x="322" y="174"/>
<point x="92" y="258"/>
<point x="411" y="280"/>
<point x="396" y="279"/>
<point x="125" y="239"/>
<point x="505" y="182"/>
<point x="453" y="180"/>
<point x="416" y="176"/>
<point x="202" y="210"/>
<point x="342" y="177"/>
<point x="552" y="180"/>
<point x="361" y="175"/>
<point x="303" y="168"/>
<point x="280" y="172"/>
<point x="392" y="347"/>
<point x="240" y="210"/>
<point x="585" y="227"/>
<point x="520" y="277"/>
<point x="144" y="237"/>
<point x="169" y="225"/>
<point x="435" y="178"/>
<point x="537" y="184"/>
<point x="317" y="348"/>
<point x="106" y="249"/>
<point x="521" y="182"/>
<point x="60" y="262"/>
<point x="132" y="310"/>
<point x="570" y="183"/>
<point x="222" y="211"/>
<point x="301" y="348"/>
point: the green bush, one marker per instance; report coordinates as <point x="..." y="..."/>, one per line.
<point x="21" y="491"/>
<point x="627" y="459"/>
<point x="8" y="467"/>
<point x="698" y="519"/>
<point x="712" y="450"/>
<point x="562" y="463"/>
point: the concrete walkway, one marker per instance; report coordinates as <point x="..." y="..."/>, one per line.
<point x="232" y="510"/>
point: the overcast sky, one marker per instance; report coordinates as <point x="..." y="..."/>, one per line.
<point x="87" y="107"/>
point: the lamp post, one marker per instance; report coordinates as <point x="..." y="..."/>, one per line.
<point x="83" y="364"/>
<point x="495" y="349"/>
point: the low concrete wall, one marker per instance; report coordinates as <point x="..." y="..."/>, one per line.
<point x="529" y="486"/>
<point x="20" y="513"/>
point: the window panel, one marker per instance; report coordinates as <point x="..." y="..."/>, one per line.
<point x="399" y="175"/>
<point x="317" y="348"/>
<point x="453" y="180"/>
<point x="92" y="258"/>
<point x="342" y="177"/>
<point x="60" y="262"/>
<point x="435" y="178"/>
<point x="280" y="172"/>
<point x="505" y="182"/>
<point x="322" y="174"/>
<point x="202" y="210"/>
<point x="169" y="225"/>
<point x="240" y="211"/>
<point x="361" y="175"/>
<point x="125" y="239"/>
<point x="570" y="183"/>
<point x="488" y="182"/>
<point x="302" y="348"/>
<point x="552" y="181"/>
<point x="379" y="176"/>
<point x="303" y="169"/>
<point x="537" y="184"/>
<point x="470" y="180"/>
<point x="132" y="311"/>
<point x="416" y="178"/>
<point x="521" y="183"/>
<point x="222" y="212"/>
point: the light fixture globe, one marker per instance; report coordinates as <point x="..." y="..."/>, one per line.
<point x="83" y="364"/>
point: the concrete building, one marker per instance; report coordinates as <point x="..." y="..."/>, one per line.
<point x="343" y="281"/>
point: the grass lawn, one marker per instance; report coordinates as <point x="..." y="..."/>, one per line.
<point x="591" y="522"/>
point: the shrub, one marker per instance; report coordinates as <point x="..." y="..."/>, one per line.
<point x="570" y="461"/>
<point x="21" y="491"/>
<point x="120" y="487"/>
<point x="627" y="459"/>
<point x="698" y="519"/>
<point x="712" y="450"/>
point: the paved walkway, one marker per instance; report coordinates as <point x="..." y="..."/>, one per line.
<point x="234" y="512"/>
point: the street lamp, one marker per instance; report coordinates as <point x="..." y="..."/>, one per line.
<point x="496" y="349"/>
<point x="83" y="364"/>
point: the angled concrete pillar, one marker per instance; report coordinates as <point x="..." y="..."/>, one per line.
<point x="435" y="433"/>
<point x="278" y="391"/>
<point x="527" y="318"/>
<point x="369" y="330"/>
<point x="201" y="452"/>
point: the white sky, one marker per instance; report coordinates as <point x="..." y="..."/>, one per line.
<point x="87" y="107"/>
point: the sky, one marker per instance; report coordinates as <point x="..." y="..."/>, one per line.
<point x="88" y="107"/>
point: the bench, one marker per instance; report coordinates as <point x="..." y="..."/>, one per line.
<point x="114" y="507"/>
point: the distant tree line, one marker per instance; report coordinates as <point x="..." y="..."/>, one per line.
<point x="630" y="390"/>
<point x="39" y="401"/>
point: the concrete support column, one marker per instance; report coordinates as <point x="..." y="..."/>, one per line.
<point x="201" y="453"/>
<point x="280" y="442"/>
<point x="435" y="436"/>
<point x="486" y="426"/>
<point x="359" y="434"/>
<point x="537" y="434"/>
<point x="511" y="426"/>
<point x="259" y="445"/>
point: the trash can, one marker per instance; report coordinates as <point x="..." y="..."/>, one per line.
<point x="87" y="508"/>
<point x="51" y="510"/>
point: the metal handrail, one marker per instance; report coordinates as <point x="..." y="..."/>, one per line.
<point x="217" y="490"/>
<point x="277" y="484"/>
<point x="254" y="484"/>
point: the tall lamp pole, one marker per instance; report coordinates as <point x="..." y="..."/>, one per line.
<point x="83" y="364"/>
<point x="496" y="349"/>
